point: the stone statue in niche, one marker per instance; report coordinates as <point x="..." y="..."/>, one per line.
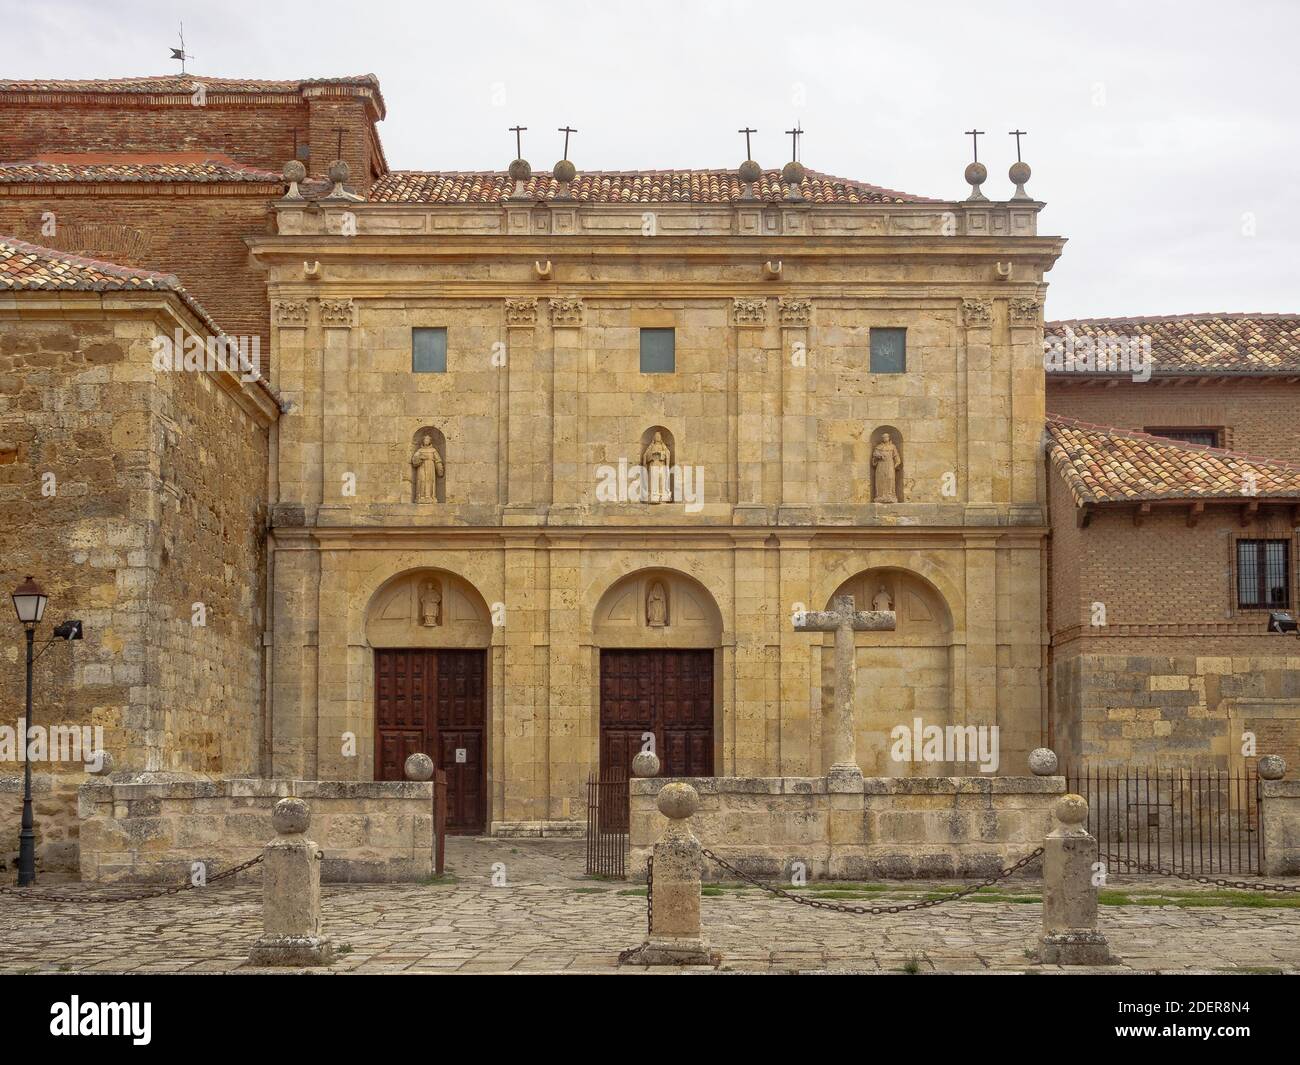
<point x="882" y="600"/>
<point x="430" y="605"/>
<point x="428" y="468"/>
<point x="885" y="461"/>
<point x="656" y="606"/>
<point x="655" y="462"/>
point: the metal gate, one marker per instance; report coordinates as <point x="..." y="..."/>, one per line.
<point x="1183" y="820"/>
<point x="607" y="825"/>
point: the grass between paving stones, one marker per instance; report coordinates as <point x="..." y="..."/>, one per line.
<point x="439" y="881"/>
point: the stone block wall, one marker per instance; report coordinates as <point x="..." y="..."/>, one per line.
<point x="1279" y="816"/>
<point x="897" y="827"/>
<point x="153" y="833"/>
<point x="54" y="807"/>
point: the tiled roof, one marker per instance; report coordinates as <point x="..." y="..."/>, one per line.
<point x="1102" y="464"/>
<point x="622" y="186"/>
<point x="142" y="167"/>
<point x="29" y="267"/>
<point x="1198" y="344"/>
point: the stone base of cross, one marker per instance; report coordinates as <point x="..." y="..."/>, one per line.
<point x="844" y="621"/>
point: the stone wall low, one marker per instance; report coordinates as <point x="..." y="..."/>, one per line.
<point x="1280" y="817"/>
<point x="897" y="827"/>
<point x="54" y="808"/>
<point x="152" y="833"/>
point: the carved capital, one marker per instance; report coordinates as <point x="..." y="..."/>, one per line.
<point x="338" y="314"/>
<point x="290" y="312"/>
<point x="749" y="310"/>
<point x="976" y="312"/>
<point x="567" y="311"/>
<point x="795" y="311"/>
<point x="521" y="311"/>
<point x="1025" y="309"/>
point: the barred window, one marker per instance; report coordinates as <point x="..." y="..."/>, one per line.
<point x="888" y="350"/>
<point x="1263" y="574"/>
<point x="429" y="350"/>
<point x="658" y="351"/>
<point x="1208" y="437"/>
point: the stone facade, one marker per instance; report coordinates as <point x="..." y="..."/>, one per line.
<point x="134" y="495"/>
<point x="775" y="407"/>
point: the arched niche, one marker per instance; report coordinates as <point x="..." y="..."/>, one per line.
<point x="657" y="608"/>
<point x="658" y="483"/>
<point x="902" y="675"/>
<point x="402" y="612"/>
<point x="438" y="442"/>
<point x="876" y="476"/>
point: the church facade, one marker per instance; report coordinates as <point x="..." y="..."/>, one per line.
<point x="540" y="470"/>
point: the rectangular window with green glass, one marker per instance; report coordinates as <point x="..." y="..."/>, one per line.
<point x="429" y="350"/>
<point x="888" y="350"/>
<point x="658" y="351"/>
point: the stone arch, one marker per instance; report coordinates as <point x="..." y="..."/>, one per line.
<point x="398" y="613"/>
<point x="439" y="443"/>
<point x="625" y="617"/>
<point x="902" y="675"/>
<point x="896" y="437"/>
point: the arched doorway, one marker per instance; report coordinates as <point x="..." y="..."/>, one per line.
<point x="904" y="675"/>
<point x="658" y="632"/>
<point x="429" y="630"/>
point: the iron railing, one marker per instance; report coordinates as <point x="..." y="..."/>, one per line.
<point x="607" y="825"/>
<point x="1186" y="820"/>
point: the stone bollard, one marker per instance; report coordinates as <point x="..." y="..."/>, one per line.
<point x="675" y="937"/>
<point x="1070" y="935"/>
<point x="291" y="894"/>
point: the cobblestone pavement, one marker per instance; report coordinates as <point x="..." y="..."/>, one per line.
<point x="549" y="918"/>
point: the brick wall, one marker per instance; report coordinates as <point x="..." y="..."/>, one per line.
<point x="1259" y="416"/>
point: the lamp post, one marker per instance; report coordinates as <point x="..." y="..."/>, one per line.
<point x="29" y="603"/>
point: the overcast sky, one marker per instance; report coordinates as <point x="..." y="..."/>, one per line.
<point x="1162" y="135"/>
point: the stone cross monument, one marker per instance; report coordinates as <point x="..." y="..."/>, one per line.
<point x="844" y="621"/>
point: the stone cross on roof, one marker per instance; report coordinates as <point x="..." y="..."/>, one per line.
<point x="844" y="621"/>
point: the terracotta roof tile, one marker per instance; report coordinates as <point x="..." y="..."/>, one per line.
<point x="141" y="167"/>
<point x="1199" y="344"/>
<point x="622" y="186"/>
<point x="1102" y="464"/>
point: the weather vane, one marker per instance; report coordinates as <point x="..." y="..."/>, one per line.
<point x="795" y="134"/>
<point x="1017" y="133"/>
<point x="180" y="53"/>
<point x="519" y="144"/>
<point x="747" y="131"/>
<point x="975" y="135"/>
<point x="566" y="130"/>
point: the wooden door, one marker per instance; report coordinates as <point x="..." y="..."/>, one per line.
<point x="668" y="693"/>
<point x="435" y="701"/>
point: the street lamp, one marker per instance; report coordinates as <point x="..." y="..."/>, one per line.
<point x="29" y="604"/>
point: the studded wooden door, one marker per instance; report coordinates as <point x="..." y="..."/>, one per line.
<point x="435" y="702"/>
<point x="668" y="693"/>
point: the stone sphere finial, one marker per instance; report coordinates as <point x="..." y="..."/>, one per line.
<point x="976" y="175"/>
<point x="294" y="171"/>
<point x="419" y="766"/>
<point x="1019" y="174"/>
<point x="290" y="817"/>
<point x="1043" y="762"/>
<point x="1071" y="809"/>
<point x="339" y="172"/>
<point x="793" y="172"/>
<point x="520" y="170"/>
<point x="645" y="764"/>
<point x="1272" y="767"/>
<point x="749" y="172"/>
<point x="677" y="801"/>
<point x="564" y="171"/>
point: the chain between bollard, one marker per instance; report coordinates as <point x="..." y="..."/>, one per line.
<point x="650" y="894"/>
<point x="925" y="904"/>
<point x="134" y="896"/>
<point x="1240" y="885"/>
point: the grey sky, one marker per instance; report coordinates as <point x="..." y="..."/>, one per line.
<point x="1158" y="131"/>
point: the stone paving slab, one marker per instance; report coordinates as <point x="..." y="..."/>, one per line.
<point x="548" y="917"/>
